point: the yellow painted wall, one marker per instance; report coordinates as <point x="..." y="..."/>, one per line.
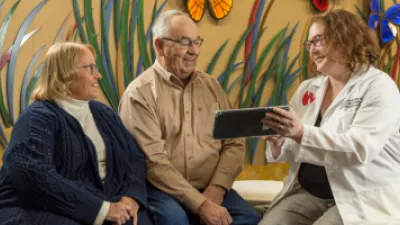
<point x="214" y="33"/>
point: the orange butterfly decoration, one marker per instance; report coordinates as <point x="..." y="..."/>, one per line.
<point x="218" y="8"/>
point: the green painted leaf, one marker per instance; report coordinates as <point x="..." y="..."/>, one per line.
<point x="3" y="30"/>
<point x="290" y="68"/>
<point x="106" y="48"/>
<point x="24" y="101"/>
<point x="79" y="22"/>
<point x="259" y="65"/>
<point x="132" y="28"/>
<point x="388" y="66"/>
<point x="117" y="21"/>
<point x="272" y="69"/>
<point x="359" y="12"/>
<point x="124" y="39"/>
<point x="304" y="57"/>
<point x="214" y="60"/>
<point x="243" y="76"/>
<point x="234" y="55"/>
<point x="153" y="18"/>
<point x="34" y="80"/>
<point x="142" y="37"/>
<point x="110" y="94"/>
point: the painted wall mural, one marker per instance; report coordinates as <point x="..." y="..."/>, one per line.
<point x="321" y="5"/>
<point x="219" y="9"/>
<point x="123" y="20"/>
<point x="9" y="59"/>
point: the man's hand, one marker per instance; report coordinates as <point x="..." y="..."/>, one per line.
<point x="213" y="214"/>
<point x="134" y="205"/>
<point x="215" y="193"/>
<point x="119" y="213"/>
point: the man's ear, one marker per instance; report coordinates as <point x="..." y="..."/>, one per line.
<point x="159" y="46"/>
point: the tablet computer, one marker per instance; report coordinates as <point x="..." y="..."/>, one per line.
<point x="246" y="122"/>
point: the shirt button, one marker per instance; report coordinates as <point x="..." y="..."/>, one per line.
<point x="187" y="112"/>
<point x="200" y="109"/>
<point x="187" y="135"/>
<point x="190" y="157"/>
<point x="331" y="173"/>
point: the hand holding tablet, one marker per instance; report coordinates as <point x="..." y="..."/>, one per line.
<point x="246" y="122"/>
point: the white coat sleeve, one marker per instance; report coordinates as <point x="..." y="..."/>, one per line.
<point x="289" y="146"/>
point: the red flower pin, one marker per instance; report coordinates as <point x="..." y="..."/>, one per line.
<point x="308" y="98"/>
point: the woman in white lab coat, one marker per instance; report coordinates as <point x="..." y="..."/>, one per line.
<point x="341" y="135"/>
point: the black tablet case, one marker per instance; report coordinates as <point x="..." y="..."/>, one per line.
<point x="246" y="122"/>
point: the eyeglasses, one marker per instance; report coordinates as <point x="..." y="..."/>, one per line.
<point x="316" y="41"/>
<point x="186" y="42"/>
<point x="92" y="68"/>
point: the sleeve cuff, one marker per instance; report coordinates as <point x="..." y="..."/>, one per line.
<point x="286" y="153"/>
<point x="299" y="149"/>
<point x="138" y="192"/>
<point x="193" y="200"/>
<point x="223" y="180"/>
<point x="268" y="152"/>
<point x="102" y="213"/>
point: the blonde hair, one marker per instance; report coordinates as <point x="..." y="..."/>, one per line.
<point x="348" y="32"/>
<point x="59" y="70"/>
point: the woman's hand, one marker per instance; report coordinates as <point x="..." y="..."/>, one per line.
<point x="134" y="205"/>
<point x="284" y="123"/>
<point x="276" y="142"/>
<point x="119" y="213"/>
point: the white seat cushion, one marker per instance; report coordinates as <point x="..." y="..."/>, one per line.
<point x="258" y="190"/>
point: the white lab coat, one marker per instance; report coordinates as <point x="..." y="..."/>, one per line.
<point x="358" y="143"/>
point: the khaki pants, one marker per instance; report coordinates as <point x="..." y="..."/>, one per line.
<point x="302" y="208"/>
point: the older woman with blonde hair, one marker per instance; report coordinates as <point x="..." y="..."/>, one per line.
<point x="341" y="134"/>
<point x="70" y="159"/>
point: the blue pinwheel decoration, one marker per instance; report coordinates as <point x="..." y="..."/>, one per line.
<point x="385" y="20"/>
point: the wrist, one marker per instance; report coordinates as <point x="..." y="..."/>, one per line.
<point x="299" y="135"/>
<point x="221" y="190"/>
<point x="202" y="206"/>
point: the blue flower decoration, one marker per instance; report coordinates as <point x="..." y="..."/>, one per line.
<point x="392" y="15"/>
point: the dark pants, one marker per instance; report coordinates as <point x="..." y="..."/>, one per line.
<point x="22" y="216"/>
<point x="165" y="210"/>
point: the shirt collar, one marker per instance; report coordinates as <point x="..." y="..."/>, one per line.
<point x="170" y="76"/>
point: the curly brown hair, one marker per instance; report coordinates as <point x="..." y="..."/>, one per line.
<point x="347" y="32"/>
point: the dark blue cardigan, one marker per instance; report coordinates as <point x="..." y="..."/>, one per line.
<point x="50" y="172"/>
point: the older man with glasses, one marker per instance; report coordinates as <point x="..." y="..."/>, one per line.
<point x="170" y="110"/>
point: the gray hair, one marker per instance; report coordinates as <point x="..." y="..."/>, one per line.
<point x="160" y="27"/>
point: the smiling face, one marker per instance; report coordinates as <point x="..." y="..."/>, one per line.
<point x="326" y="58"/>
<point x="174" y="57"/>
<point x="85" y="85"/>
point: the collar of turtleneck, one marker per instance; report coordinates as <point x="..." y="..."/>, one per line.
<point x="77" y="108"/>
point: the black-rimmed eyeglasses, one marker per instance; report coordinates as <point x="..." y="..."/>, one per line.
<point x="186" y="42"/>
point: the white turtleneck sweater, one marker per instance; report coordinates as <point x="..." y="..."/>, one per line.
<point x="80" y="111"/>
